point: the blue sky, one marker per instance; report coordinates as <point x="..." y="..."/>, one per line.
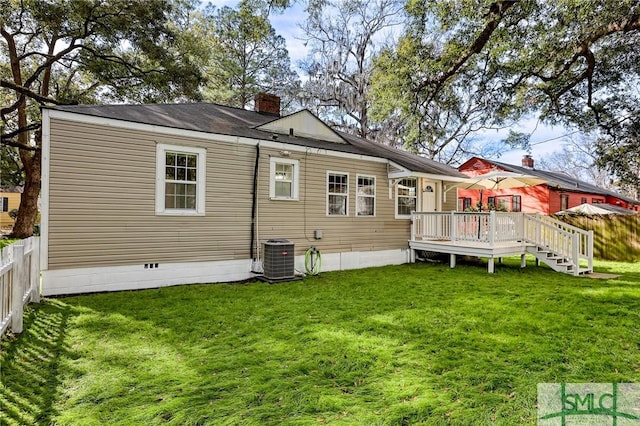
<point x="288" y="24"/>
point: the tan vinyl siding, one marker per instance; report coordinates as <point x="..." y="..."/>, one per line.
<point x="451" y="201"/>
<point x="297" y="220"/>
<point x="102" y="202"/>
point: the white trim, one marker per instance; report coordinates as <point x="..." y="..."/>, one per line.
<point x="134" y="277"/>
<point x="331" y="172"/>
<point x="375" y="193"/>
<point x="217" y="137"/>
<point x="201" y="165"/>
<point x="295" y="185"/>
<point x="358" y="259"/>
<point x="44" y="190"/>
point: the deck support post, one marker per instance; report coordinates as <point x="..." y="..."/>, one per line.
<point x="452" y="260"/>
<point x="523" y="261"/>
<point x="491" y="266"/>
<point x="537" y="262"/>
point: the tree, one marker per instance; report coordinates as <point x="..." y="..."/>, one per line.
<point x="247" y="56"/>
<point x="569" y="62"/>
<point x="343" y="38"/>
<point x="11" y="173"/>
<point x="83" y="51"/>
<point x="619" y="153"/>
<point x="578" y="158"/>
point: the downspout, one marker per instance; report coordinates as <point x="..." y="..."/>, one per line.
<point x="255" y="267"/>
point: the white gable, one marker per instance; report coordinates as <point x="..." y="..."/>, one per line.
<point x="304" y="124"/>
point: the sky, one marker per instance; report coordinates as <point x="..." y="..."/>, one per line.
<point x="544" y="139"/>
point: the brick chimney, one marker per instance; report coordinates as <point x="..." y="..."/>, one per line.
<point x="267" y="103"/>
<point x="527" y="161"/>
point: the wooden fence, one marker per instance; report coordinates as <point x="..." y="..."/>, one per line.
<point x="19" y="282"/>
<point x="616" y="237"/>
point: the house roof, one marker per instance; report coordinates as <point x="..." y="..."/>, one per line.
<point x="559" y="180"/>
<point x="219" y="119"/>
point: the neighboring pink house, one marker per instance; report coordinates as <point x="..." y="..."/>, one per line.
<point x="559" y="193"/>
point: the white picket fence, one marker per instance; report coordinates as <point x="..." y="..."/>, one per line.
<point x="19" y="282"/>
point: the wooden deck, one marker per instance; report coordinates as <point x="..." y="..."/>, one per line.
<point x="474" y="248"/>
<point x="494" y="235"/>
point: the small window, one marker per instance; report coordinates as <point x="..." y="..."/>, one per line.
<point x="491" y="203"/>
<point x="284" y="179"/>
<point x="564" y="202"/>
<point x="180" y="180"/>
<point x="406" y="197"/>
<point x="517" y="203"/>
<point x="366" y="196"/>
<point x="583" y="200"/>
<point x="4" y="204"/>
<point x="466" y="203"/>
<point x="502" y="203"/>
<point x="337" y="194"/>
<point x="597" y="201"/>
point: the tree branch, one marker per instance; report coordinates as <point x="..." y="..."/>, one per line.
<point x="7" y="139"/>
<point x="29" y="93"/>
<point x="496" y="12"/>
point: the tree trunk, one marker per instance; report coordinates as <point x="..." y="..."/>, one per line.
<point x="28" y="211"/>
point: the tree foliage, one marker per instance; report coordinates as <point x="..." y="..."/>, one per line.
<point x="84" y="51"/>
<point x="343" y="37"/>
<point x="470" y="64"/>
<point x="247" y="56"/>
<point x="619" y="153"/>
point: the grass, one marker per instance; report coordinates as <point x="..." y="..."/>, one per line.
<point x="7" y="242"/>
<point x="410" y="344"/>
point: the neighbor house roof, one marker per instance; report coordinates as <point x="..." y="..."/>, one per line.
<point x="219" y="119"/>
<point x="11" y="189"/>
<point x="558" y="180"/>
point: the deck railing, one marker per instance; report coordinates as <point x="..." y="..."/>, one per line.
<point x="486" y="227"/>
<point x="19" y="282"/>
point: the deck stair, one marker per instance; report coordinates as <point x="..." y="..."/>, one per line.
<point x="556" y="262"/>
<point x="564" y="248"/>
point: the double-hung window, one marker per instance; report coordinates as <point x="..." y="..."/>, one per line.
<point x="337" y="194"/>
<point x="406" y="197"/>
<point x="366" y="196"/>
<point x="180" y="180"/>
<point x="4" y="204"/>
<point x="283" y="183"/>
<point x="516" y="205"/>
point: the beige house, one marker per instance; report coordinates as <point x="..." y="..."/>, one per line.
<point x="9" y="200"/>
<point x="141" y="196"/>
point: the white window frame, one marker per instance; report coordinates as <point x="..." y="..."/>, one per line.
<point x="346" y="214"/>
<point x="161" y="152"/>
<point x="403" y="216"/>
<point x="272" y="178"/>
<point x="375" y="204"/>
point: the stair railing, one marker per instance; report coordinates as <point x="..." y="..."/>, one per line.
<point x="565" y="240"/>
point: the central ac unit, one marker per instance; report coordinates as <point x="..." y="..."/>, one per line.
<point x="279" y="257"/>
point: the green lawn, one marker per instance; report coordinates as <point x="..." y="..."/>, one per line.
<point x="410" y="344"/>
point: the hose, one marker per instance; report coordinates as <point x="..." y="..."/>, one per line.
<point x="312" y="261"/>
